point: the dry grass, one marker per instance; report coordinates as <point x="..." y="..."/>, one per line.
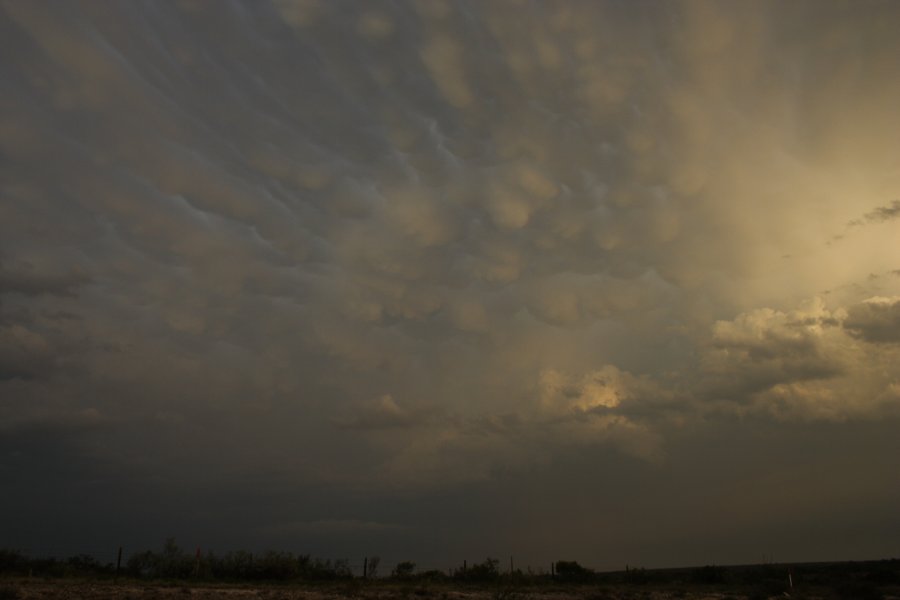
<point x="87" y="590"/>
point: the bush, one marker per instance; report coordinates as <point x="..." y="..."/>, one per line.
<point x="12" y="562"/>
<point x="570" y="570"/>
<point x="9" y="592"/>
<point x="767" y="588"/>
<point x="232" y="566"/>
<point x="858" y="590"/>
<point x="709" y="574"/>
<point x="489" y="570"/>
<point x="431" y="575"/>
<point x="404" y="570"/>
<point x="638" y="575"/>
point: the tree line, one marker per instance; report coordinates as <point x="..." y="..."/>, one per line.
<point x="857" y="580"/>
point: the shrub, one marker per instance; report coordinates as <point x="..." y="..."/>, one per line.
<point x="487" y="571"/>
<point x="12" y="562"/>
<point x="431" y="575"/>
<point x="709" y="574"/>
<point x="570" y="570"/>
<point x="9" y="592"/>
<point x="404" y="570"/>
<point x="638" y="575"/>
<point x="858" y="590"/>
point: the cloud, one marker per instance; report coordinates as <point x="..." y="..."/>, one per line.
<point x="875" y="320"/>
<point x="443" y="56"/>
<point x="425" y="246"/>
<point x="799" y="365"/>
<point x="382" y="413"/>
<point x="23" y="352"/>
<point x="884" y="213"/>
<point x="25" y="277"/>
<point x="599" y="389"/>
<point x="774" y="339"/>
<point x="328" y="527"/>
<point x="880" y="214"/>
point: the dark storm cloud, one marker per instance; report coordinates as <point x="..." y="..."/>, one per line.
<point x="23" y="354"/>
<point x="383" y="413"/>
<point x="29" y="279"/>
<point x="876" y="320"/>
<point x="327" y="250"/>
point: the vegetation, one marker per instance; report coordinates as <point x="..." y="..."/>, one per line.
<point x="869" y="580"/>
<point x="173" y="563"/>
<point x="570" y="570"/>
<point x="404" y="570"/>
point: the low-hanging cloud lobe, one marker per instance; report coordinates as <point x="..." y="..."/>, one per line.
<point x="329" y="275"/>
<point x="875" y="319"/>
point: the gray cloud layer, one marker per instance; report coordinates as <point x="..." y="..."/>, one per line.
<point x="427" y="253"/>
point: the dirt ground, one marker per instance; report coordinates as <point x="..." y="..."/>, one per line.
<point x="81" y="590"/>
<point x="34" y="589"/>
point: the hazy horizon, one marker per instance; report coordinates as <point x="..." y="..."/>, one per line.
<point x="614" y="282"/>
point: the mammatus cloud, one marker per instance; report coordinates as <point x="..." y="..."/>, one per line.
<point x="381" y="413"/>
<point x="32" y="280"/>
<point x="412" y="247"/>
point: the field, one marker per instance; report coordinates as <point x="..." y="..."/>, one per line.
<point x="284" y="576"/>
<point x="35" y="589"/>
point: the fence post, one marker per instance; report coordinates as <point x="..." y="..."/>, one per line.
<point x="365" y="567"/>
<point x="119" y="562"/>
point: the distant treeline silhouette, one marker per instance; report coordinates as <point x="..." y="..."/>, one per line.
<point x="859" y="580"/>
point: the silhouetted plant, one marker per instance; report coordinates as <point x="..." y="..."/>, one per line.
<point x="709" y="574"/>
<point x="431" y="575"/>
<point x="858" y="590"/>
<point x="489" y="570"/>
<point x="9" y="592"/>
<point x="12" y="561"/>
<point x="372" y="567"/>
<point x="276" y="566"/>
<point x="234" y="565"/>
<point x="637" y="575"/>
<point x="404" y="570"/>
<point x="570" y="570"/>
<point x="505" y="593"/>
<point x="767" y="588"/>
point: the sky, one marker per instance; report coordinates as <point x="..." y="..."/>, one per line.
<point x="615" y="282"/>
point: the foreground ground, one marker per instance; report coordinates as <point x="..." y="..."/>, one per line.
<point x="33" y="589"/>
